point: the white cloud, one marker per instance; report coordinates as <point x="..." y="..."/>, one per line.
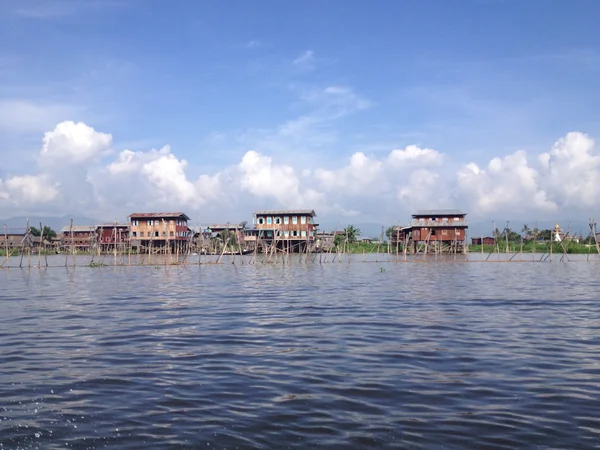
<point x="306" y="61"/>
<point x="361" y="175"/>
<point x="74" y="143"/>
<point x="508" y="186"/>
<point x="28" y="190"/>
<point x="413" y="154"/>
<point x="167" y="176"/>
<point x="571" y="171"/>
<point x="73" y="176"/>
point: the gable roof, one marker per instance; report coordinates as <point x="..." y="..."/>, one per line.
<point x="79" y="229"/>
<point x="439" y="212"/>
<point x="285" y="212"/>
<point x="159" y="215"/>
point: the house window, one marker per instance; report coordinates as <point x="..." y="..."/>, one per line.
<point x="156" y="234"/>
<point x="261" y="221"/>
<point x="171" y="233"/>
<point x="135" y="234"/>
<point x="303" y="233"/>
<point x="164" y="233"/>
<point x="294" y="220"/>
<point x="286" y="220"/>
<point x="433" y="232"/>
<point x="135" y="223"/>
<point x="268" y="221"/>
<point x="277" y="220"/>
<point x="287" y="234"/>
<point x="295" y="233"/>
<point x="303" y="220"/>
<point x="141" y="234"/>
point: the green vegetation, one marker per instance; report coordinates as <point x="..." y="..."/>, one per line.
<point x="348" y="235"/>
<point x="48" y="232"/>
<point x="536" y="247"/>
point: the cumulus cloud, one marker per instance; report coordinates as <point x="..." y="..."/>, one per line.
<point x="74" y="143"/>
<point x="28" y="190"/>
<point x="77" y="169"/>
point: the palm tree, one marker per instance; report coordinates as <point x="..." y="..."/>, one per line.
<point x="351" y="233"/>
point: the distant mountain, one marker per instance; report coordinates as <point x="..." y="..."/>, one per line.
<point x="56" y="223"/>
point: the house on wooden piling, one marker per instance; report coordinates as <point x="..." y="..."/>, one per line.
<point x="436" y="230"/>
<point x="158" y="229"/>
<point x="291" y="230"/>
<point x="112" y="235"/>
<point x="488" y="240"/>
<point x="11" y="240"/>
<point x="78" y="237"/>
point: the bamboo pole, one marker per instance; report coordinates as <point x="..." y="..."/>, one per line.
<point x="40" y="247"/>
<point x="72" y="242"/>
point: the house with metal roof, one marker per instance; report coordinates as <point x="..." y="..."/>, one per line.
<point x="158" y="229"/>
<point x="290" y="229"/>
<point x="439" y="230"/>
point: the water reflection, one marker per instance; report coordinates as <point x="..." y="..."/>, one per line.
<point x="334" y="355"/>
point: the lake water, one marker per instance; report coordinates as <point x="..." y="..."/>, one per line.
<point x="338" y="355"/>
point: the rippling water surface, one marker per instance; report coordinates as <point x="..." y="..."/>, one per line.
<point x="417" y="355"/>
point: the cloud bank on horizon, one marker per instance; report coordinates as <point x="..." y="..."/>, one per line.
<point x="113" y="106"/>
<point x="78" y="169"/>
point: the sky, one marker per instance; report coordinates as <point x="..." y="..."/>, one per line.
<point x="363" y="111"/>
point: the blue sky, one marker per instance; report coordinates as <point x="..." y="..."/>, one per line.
<point x="307" y="84"/>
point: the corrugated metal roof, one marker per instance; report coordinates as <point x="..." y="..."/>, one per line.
<point x="439" y="212"/>
<point x="78" y="229"/>
<point x="283" y="212"/>
<point x="159" y="215"/>
<point x="112" y="225"/>
<point x="225" y="226"/>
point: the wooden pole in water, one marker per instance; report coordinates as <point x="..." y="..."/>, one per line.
<point x="72" y="242"/>
<point x="115" y="244"/>
<point x="40" y="247"/>
<point x="23" y="244"/>
<point x="29" y="242"/>
<point x="6" y="246"/>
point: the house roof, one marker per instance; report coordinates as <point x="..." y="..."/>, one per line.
<point x="78" y="229"/>
<point x="224" y="226"/>
<point x="284" y="212"/>
<point x="113" y="225"/>
<point x="159" y="215"/>
<point x="439" y="212"/>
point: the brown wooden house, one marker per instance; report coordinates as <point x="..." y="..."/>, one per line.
<point x="488" y="240"/>
<point x="442" y="230"/>
<point x="292" y="229"/>
<point x="78" y="237"/>
<point x="112" y="235"/>
<point x="10" y="240"/>
<point x="158" y="229"/>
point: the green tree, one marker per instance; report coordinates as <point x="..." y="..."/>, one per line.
<point x="391" y="231"/>
<point x="226" y="235"/>
<point x="511" y="235"/>
<point x="351" y="233"/>
<point x="48" y="232"/>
